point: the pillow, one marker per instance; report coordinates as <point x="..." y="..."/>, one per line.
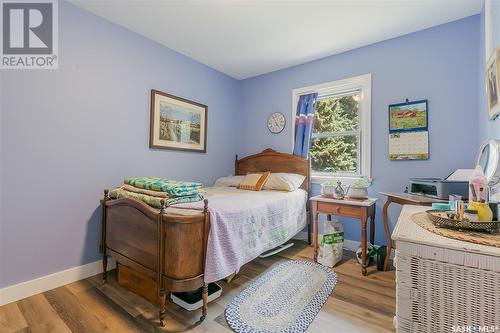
<point x="282" y="181"/>
<point x="254" y="181"/>
<point x="230" y="181"/>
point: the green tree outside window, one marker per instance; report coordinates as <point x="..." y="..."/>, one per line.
<point x="335" y="139"/>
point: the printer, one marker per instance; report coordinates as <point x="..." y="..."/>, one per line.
<point x="438" y="188"/>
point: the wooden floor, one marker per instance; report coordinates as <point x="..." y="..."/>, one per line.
<point x="358" y="304"/>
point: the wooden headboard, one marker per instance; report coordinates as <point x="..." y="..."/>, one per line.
<point x="273" y="161"/>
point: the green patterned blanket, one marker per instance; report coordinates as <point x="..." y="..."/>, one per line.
<point x="174" y="188"/>
<point x="155" y="201"/>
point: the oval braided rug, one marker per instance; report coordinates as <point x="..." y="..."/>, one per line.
<point x="284" y="299"/>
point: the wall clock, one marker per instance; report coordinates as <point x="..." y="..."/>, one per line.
<point x="276" y="122"/>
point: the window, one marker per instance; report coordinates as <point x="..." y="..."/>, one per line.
<point x="340" y="143"/>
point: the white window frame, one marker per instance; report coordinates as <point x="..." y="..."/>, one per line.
<point x="363" y="84"/>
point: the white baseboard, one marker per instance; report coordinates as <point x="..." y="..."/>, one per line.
<point x="350" y="245"/>
<point x="301" y="236"/>
<point x="39" y="285"/>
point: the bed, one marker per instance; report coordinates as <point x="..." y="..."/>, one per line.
<point x="186" y="246"/>
<point x="245" y="224"/>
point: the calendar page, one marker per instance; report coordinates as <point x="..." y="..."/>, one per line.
<point x="409" y="145"/>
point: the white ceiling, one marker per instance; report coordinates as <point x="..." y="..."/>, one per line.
<point x="248" y="38"/>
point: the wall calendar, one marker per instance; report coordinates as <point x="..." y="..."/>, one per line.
<point x="408" y="131"/>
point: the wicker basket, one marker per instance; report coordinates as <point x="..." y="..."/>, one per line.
<point x="434" y="296"/>
<point x="439" y="221"/>
<point x="443" y="284"/>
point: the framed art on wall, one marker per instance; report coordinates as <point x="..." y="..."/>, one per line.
<point x="177" y="123"/>
<point x="493" y="84"/>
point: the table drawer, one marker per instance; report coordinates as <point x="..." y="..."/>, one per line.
<point x="340" y="210"/>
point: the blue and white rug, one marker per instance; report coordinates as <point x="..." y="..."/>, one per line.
<point x="285" y="299"/>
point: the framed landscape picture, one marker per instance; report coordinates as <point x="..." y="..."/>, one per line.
<point x="493" y="84"/>
<point x="177" y="123"/>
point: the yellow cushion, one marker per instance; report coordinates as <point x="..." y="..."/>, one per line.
<point x="254" y="181"/>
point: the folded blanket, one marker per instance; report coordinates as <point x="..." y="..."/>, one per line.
<point x="154" y="201"/>
<point x="172" y="187"/>
<point x="152" y="193"/>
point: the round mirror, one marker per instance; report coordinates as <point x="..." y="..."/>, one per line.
<point x="489" y="159"/>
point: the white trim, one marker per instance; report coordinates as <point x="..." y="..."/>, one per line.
<point x="362" y="83"/>
<point x="349" y="244"/>
<point x="39" y="285"/>
<point x="301" y="236"/>
<point x="345" y="180"/>
<point x="336" y="134"/>
<point x="352" y="83"/>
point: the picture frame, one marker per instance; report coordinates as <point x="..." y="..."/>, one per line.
<point x="177" y="123"/>
<point x="493" y="84"/>
<point x="409" y="116"/>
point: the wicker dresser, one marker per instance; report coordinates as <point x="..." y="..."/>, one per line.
<point x="444" y="285"/>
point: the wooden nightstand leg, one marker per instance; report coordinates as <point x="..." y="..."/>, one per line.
<point x="315" y="231"/>
<point x="364" y="217"/>
<point x="309" y="240"/>
<point x="372" y="225"/>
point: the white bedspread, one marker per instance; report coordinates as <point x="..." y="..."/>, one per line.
<point x="245" y="224"/>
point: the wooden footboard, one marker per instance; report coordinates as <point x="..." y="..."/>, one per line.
<point x="164" y="249"/>
<point x="131" y="234"/>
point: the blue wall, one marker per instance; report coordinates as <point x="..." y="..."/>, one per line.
<point x="439" y="64"/>
<point x="487" y="129"/>
<point x="67" y="133"/>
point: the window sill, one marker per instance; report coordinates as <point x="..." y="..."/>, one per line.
<point x="346" y="180"/>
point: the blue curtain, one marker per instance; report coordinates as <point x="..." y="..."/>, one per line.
<point x="304" y="124"/>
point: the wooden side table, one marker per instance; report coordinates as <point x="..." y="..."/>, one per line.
<point x="402" y="199"/>
<point x="347" y="208"/>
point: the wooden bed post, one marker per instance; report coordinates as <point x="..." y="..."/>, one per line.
<point x="204" y="289"/>
<point x="103" y="238"/>
<point x="159" y="277"/>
